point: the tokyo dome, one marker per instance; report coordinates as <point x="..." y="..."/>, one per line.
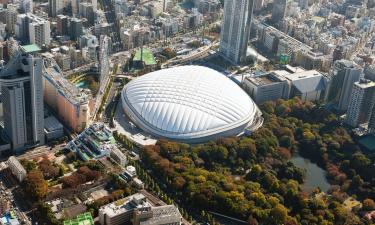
<point x="190" y="104"/>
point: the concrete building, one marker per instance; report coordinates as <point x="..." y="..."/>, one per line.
<point x="22" y="28"/>
<point x="95" y="142"/>
<point x="137" y="210"/>
<point x="267" y="87"/>
<point x="279" y="10"/>
<point x="71" y="103"/>
<point x="309" y="85"/>
<point x="193" y="20"/>
<point x="53" y="129"/>
<point x="361" y="103"/>
<point x="33" y="29"/>
<point x="76" y="28"/>
<point x="17" y="169"/>
<point x="55" y="7"/>
<point x="40" y="32"/>
<point x="343" y="75"/>
<point x="62" y="25"/>
<point x="235" y="30"/>
<point x="26" y="6"/>
<point x="118" y="156"/>
<point x="22" y="96"/>
<point x="371" y="123"/>
<point x="11" y="17"/>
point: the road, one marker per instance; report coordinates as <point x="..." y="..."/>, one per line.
<point x="41" y="151"/>
<point x="8" y="193"/>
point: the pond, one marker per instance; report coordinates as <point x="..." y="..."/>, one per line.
<point x="82" y="84"/>
<point x="315" y="176"/>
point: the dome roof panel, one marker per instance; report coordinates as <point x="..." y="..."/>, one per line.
<point x="186" y="100"/>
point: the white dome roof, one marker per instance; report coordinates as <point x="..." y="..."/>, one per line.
<point x="187" y="102"/>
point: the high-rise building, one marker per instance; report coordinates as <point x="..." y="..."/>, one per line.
<point x="39" y="31"/>
<point x="71" y="103"/>
<point x="371" y="123"/>
<point x="11" y="17"/>
<point x="22" y="28"/>
<point x="22" y="97"/>
<point x="279" y="10"/>
<point x="361" y="103"/>
<point x="343" y="75"/>
<point x="33" y="29"/>
<point x="56" y="7"/>
<point x="236" y="29"/>
<point x="76" y="28"/>
<point x="26" y="6"/>
<point x="62" y="25"/>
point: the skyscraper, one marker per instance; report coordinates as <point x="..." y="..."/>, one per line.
<point x="361" y="103"/>
<point x="26" y="6"/>
<point x="278" y="10"/>
<point x="22" y="97"/>
<point x="33" y="29"/>
<point x="235" y="31"/>
<point x="343" y="75"/>
<point x="62" y="24"/>
<point x="56" y="7"/>
<point x="371" y="123"/>
<point x="76" y="28"/>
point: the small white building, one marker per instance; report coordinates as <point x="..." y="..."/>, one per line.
<point x="17" y="169"/>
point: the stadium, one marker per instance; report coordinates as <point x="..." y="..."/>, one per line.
<point x="190" y="104"/>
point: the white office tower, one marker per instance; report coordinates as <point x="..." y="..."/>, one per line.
<point x="26" y="6"/>
<point x="33" y="29"/>
<point x="39" y="32"/>
<point x="235" y="31"/>
<point x="343" y="75"/>
<point x="22" y="97"/>
<point x="361" y="103"/>
<point x="56" y="7"/>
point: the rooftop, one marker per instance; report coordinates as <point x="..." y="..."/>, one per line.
<point x="167" y="214"/>
<point x="148" y="57"/>
<point x="307" y="81"/>
<point x="52" y="124"/>
<point x="74" y="94"/>
<point x="265" y="79"/>
<point x="30" y="48"/>
<point x="83" y="219"/>
<point x="125" y="205"/>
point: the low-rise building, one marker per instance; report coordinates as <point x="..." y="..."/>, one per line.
<point x="94" y="142"/>
<point x="267" y="87"/>
<point x="17" y="169"/>
<point x="309" y="85"/>
<point x="53" y="129"/>
<point x="137" y="210"/>
<point x="118" y="156"/>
